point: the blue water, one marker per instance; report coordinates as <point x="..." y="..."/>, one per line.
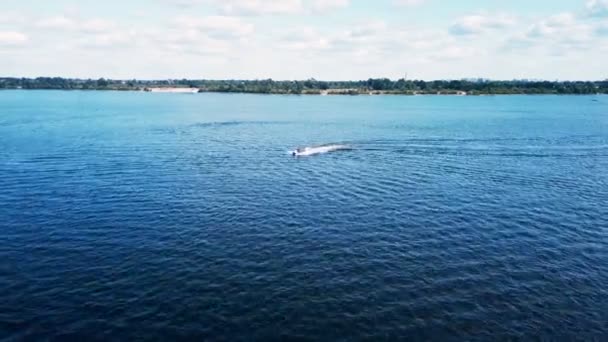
<point x="168" y="216"/>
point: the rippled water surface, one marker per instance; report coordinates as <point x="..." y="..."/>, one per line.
<point x="170" y="216"/>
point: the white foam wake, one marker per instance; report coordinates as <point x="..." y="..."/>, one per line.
<point x="314" y="150"/>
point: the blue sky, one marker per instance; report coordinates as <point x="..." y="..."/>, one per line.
<point x="298" y="39"/>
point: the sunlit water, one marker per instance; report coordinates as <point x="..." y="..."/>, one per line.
<point x="170" y="216"/>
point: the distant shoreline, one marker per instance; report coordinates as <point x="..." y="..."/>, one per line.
<point x="382" y="86"/>
<point x="331" y="94"/>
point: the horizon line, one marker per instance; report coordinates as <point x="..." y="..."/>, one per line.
<point x="313" y="78"/>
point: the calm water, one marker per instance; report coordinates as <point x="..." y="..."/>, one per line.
<point x="142" y="216"/>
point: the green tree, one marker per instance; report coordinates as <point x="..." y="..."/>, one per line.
<point x="102" y="83"/>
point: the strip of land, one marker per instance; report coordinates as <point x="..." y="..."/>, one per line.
<point x="377" y="86"/>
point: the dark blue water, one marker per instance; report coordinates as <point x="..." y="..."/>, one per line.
<point x="166" y="216"/>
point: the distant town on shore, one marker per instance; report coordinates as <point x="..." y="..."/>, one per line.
<point x="372" y="86"/>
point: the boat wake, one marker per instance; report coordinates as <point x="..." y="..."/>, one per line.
<point x="321" y="149"/>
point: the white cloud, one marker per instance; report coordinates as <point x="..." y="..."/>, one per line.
<point x="377" y="43"/>
<point x="552" y="25"/>
<point x="11" y="18"/>
<point x="409" y="3"/>
<point x="185" y="3"/>
<point x="368" y="29"/>
<point x="301" y="34"/>
<point x="12" y="38"/>
<point x="597" y="8"/>
<point x="328" y="5"/>
<point x="57" y="23"/>
<point x="366" y="36"/>
<point x="259" y="7"/>
<point x="481" y="23"/>
<point x="222" y="27"/>
<point x="97" y="25"/>
<point x="557" y="36"/>
<point x="65" y="23"/>
<point x="561" y="27"/>
<point x="218" y="39"/>
<point x="309" y="45"/>
<point x="192" y="35"/>
<point x="457" y="52"/>
<point x="111" y="39"/>
<point x="191" y="41"/>
<point x="267" y="7"/>
<point x="602" y="30"/>
<point x="72" y="32"/>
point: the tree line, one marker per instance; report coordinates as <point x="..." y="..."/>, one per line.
<point x="313" y="86"/>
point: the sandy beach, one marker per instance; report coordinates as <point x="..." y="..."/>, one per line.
<point x="173" y="90"/>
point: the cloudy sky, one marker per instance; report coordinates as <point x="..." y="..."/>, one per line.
<point x="299" y="39"/>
